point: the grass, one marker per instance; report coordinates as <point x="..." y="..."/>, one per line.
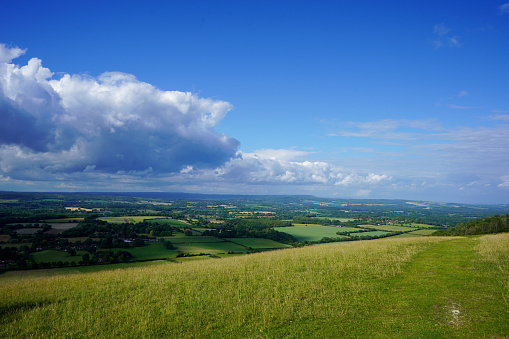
<point x="314" y="232"/>
<point x="389" y="288"/>
<point x="258" y="243"/>
<point x="126" y="219"/>
<point x="151" y="251"/>
<point x="211" y="248"/>
<point x="54" y="255"/>
<point x="372" y="233"/>
<point x="390" y="228"/>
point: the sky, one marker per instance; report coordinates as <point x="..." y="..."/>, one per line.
<point x="372" y="99"/>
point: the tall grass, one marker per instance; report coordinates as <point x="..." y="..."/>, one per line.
<point x="318" y="291"/>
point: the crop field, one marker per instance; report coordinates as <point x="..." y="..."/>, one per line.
<point x="54" y="255"/>
<point x="211" y="248"/>
<point x="128" y="219"/>
<point x="373" y="233"/>
<point x="192" y="239"/>
<point x="390" y="288"/>
<point x="171" y="222"/>
<point x="27" y="230"/>
<point x="314" y="232"/>
<point x="259" y="243"/>
<point x="152" y="251"/>
<point x="391" y="228"/>
<point x="418" y="233"/>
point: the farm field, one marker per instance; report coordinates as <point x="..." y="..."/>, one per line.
<point x="211" y="248"/>
<point x="63" y="220"/>
<point x="314" y="232"/>
<point x="391" y="228"/>
<point x="259" y="243"/>
<point x="389" y="288"/>
<point x="192" y="239"/>
<point x="372" y="233"/>
<point x="128" y="219"/>
<point x="418" y="233"/>
<point x="171" y="222"/>
<point x="151" y="251"/>
<point x="54" y="255"/>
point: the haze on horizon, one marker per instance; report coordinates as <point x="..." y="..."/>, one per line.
<point x="360" y="100"/>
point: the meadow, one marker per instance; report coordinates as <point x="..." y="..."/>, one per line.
<point x="435" y="287"/>
<point x="313" y="232"/>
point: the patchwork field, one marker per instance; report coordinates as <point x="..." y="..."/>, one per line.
<point x="55" y="256"/>
<point x="314" y="232"/>
<point x="258" y="243"/>
<point x="211" y="248"/>
<point x="391" y="228"/>
<point x="373" y="233"/>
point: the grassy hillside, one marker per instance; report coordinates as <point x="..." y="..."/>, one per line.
<point x="390" y="288"/>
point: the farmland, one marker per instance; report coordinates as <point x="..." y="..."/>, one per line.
<point x="313" y="232"/>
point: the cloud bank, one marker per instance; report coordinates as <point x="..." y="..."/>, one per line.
<point x="114" y="132"/>
<point x="112" y="123"/>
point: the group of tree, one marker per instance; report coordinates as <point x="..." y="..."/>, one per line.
<point x="493" y="224"/>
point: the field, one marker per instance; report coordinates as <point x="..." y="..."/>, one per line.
<point x="211" y="248"/>
<point x="418" y="233"/>
<point x="372" y="233"/>
<point x="126" y="219"/>
<point x="314" y="233"/>
<point x="53" y="255"/>
<point x="421" y="287"/>
<point x="259" y="243"/>
<point x="152" y="251"/>
<point x="171" y="222"/>
<point x="391" y="228"/>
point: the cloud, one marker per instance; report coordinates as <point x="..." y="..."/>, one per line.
<point x="262" y="168"/>
<point x="504" y="8"/>
<point x="442" y="37"/>
<point x="462" y="93"/>
<point x="113" y="123"/>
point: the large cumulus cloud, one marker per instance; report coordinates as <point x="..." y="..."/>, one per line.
<point x="113" y="123"/>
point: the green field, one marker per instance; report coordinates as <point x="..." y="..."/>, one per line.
<point x="171" y="222"/>
<point x="258" y="243"/>
<point x="425" y="287"/>
<point x="391" y="228"/>
<point x="418" y="233"/>
<point x="151" y="251"/>
<point x="211" y="248"/>
<point x="192" y="239"/>
<point x="127" y="219"/>
<point x="314" y="232"/>
<point x="372" y="234"/>
<point x="54" y="255"/>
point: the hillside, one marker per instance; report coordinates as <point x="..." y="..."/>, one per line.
<point x="488" y="225"/>
<point x="391" y="288"/>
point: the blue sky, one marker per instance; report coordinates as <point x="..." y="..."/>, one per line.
<point x="350" y="100"/>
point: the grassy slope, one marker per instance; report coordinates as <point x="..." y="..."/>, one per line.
<point x="390" y="288"/>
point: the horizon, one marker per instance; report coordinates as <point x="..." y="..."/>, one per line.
<point x="343" y="101"/>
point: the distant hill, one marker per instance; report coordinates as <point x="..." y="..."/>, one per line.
<point x="494" y="224"/>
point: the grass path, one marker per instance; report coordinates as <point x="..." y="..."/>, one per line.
<point x="447" y="291"/>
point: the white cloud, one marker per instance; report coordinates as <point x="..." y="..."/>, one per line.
<point x="112" y="123"/>
<point x="462" y="93"/>
<point x="504" y="8"/>
<point x="442" y="37"/>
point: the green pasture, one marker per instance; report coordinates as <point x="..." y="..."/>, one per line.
<point x="151" y="251"/>
<point x="390" y="228"/>
<point x="192" y="239"/>
<point x="128" y="219"/>
<point x="258" y="243"/>
<point x="167" y="221"/>
<point x="54" y="255"/>
<point x="372" y="233"/>
<point x="211" y="248"/>
<point x="314" y="232"/>
<point x="423" y="287"/>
